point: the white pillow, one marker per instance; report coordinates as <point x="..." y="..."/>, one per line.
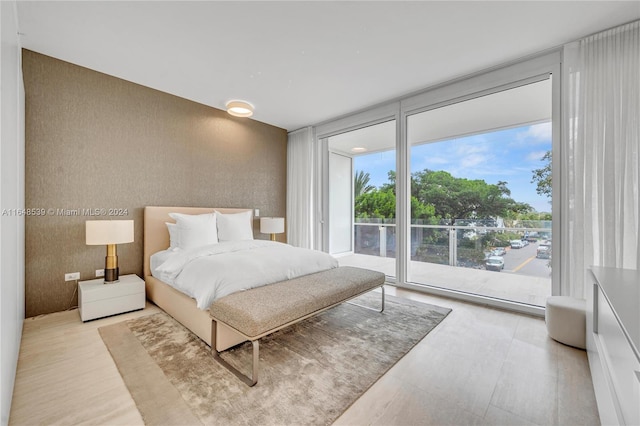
<point x="234" y="226"/>
<point x="174" y="235"/>
<point x="195" y="230"/>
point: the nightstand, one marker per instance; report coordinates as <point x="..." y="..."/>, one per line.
<point x="97" y="300"/>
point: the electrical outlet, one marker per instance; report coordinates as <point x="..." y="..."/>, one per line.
<point x="72" y="276"/>
<point x="99" y="273"/>
<point x="256" y="212"/>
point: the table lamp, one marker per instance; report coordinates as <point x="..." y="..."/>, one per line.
<point x="272" y="225"/>
<point x="109" y="233"/>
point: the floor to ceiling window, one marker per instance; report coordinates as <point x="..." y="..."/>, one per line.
<point x="362" y="197"/>
<point x="456" y="190"/>
<point x="480" y="196"/>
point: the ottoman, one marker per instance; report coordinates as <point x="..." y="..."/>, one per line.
<point x="566" y="320"/>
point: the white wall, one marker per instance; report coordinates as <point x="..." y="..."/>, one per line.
<point x="340" y="203"/>
<point x="11" y="197"/>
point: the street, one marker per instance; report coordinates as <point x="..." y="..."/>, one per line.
<point x="523" y="261"/>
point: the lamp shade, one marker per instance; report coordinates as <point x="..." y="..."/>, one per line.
<point x="272" y="225"/>
<point x="104" y="232"/>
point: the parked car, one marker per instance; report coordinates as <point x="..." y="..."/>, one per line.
<point x="516" y="244"/>
<point x="499" y="251"/>
<point x="494" y="263"/>
<point x="543" y="252"/>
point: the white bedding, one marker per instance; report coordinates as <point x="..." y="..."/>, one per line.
<point x="217" y="270"/>
<point x="160" y="257"/>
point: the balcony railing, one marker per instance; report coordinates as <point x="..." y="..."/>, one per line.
<point x="441" y="256"/>
<point x="454" y="245"/>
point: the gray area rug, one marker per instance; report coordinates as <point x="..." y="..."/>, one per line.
<point x="310" y="373"/>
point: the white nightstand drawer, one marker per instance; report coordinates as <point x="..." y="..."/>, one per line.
<point x="97" y="300"/>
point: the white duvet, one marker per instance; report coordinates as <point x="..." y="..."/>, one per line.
<point x="217" y="270"/>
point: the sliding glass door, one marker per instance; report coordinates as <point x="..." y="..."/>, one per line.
<point x="481" y="195"/>
<point x="362" y="197"/>
<point x="453" y="190"/>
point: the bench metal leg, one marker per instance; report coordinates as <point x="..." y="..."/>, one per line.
<point x="250" y="381"/>
<point x="370" y="308"/>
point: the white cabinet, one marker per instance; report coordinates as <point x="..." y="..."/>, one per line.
<point x="613" y="340"/>
<point x="97" y="299"/>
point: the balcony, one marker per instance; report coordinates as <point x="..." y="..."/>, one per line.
<point x="454" y="258"/>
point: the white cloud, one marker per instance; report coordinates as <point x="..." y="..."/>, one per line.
<point x="473" y="160"/>
<point x="437" y="160"/>
<point x="535" y="155"/>
<point x="471" y="148"/>
<point x="536" y="133"/>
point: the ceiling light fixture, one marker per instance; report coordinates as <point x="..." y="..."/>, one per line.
<point x="240" y="108"/>
<point x="358" y="149"/>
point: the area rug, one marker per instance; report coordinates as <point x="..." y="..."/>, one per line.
<point x="310" y="373"/>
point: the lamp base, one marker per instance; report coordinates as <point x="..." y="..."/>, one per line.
<point x="273" y="237"/>
<point x="111" y="275"/>
<point x="111" y="270"/>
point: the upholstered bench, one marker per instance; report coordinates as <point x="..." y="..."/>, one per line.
<point x="566" y="320"/>
<point x="260" y="311"/>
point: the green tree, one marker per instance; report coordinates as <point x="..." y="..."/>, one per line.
<point x="460" y="198"/>
<point x="381" y="203"/>
<point x="375" y="204"/>
<point x="361" y="183"/>
<point x="423" y="211"/>
<point x="533" y="216"/>
<point x="542" y="176"/>
<point x="391" y="185"/>
<point x="437" y="195"/>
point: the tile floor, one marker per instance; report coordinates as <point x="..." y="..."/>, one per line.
<point x="479" y="366"/>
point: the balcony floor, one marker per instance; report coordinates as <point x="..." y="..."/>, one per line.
<point x="504" y="285"/>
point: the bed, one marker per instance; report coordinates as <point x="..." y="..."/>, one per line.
<point x="211" y="265"/>
<point x="252" y="287"/>
<point x="180" y="306"/>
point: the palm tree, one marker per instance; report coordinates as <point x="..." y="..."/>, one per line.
<point x="361" y="183"/>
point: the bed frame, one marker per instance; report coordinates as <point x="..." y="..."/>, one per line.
<point x="242" y="316"/>
<point x="181" y="307"/>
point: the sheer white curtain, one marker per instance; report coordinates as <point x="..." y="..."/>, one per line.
<point x="300" y="197"/>
<point x="602" y="141"/>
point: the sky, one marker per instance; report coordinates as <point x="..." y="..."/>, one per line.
<point x="506" y="155"/>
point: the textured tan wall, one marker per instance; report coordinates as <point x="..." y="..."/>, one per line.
<point x="94" y="141"/>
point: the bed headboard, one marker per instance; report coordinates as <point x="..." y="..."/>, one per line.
<point x="156" y="235"/>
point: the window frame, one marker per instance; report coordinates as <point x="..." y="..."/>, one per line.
<point x="528" y="70"/>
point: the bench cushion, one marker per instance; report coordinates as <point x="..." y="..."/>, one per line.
<point x="257" y="311"/>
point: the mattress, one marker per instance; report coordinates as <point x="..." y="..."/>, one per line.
<point x="213" y="271"/>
